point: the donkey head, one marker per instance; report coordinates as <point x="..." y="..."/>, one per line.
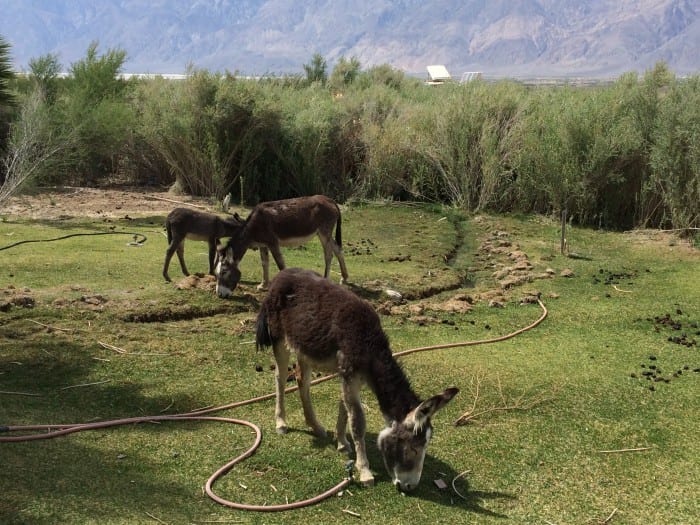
<point x="403" y="445"/>
<point x="226" y="271"/>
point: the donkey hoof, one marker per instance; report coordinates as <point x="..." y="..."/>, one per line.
<point x="320" y="433"/>
<point x="282" y="430"/>
<point x="367" y="481"/>
<point x="344" y="447"/>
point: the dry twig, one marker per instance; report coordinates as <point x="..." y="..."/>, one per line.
<point x="619" y="290"/>
<point x="155" y="518"/>
<point x="178" y="202"/>
<point x="112" y="347"/>
<point x="619" y="450"/>
<point x="52" y="327"/>
<point x="86" y="384"/>
<point x="522" y="402"/>
<point x="607" y="520"/>
<point x="19" y="394"/>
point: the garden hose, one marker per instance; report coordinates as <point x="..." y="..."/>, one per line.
<point x="135" y="242"/>
<point x="60" y="430"/>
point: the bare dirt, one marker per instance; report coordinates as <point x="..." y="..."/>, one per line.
<point x="62" y="203"/>
<point x="120" y="202"/>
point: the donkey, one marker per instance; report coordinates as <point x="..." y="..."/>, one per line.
<point x="273" y="224"/>
<point x="185" y="223"/>
<point x="332" y="329"/>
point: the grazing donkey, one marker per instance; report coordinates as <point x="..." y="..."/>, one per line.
<point x="270" y="225"/>
<point x="330" y="328"/>
<point x="185" y="223"/>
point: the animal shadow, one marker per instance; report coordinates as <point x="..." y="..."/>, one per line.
<point x="469" y="499"/>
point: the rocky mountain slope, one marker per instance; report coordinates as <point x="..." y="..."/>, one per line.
<point x="498" y="37"/>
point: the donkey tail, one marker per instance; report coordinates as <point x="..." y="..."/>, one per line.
<point x="338" y="231"/>
<point x="263" y="337"/>
<point x="169" y="231"/>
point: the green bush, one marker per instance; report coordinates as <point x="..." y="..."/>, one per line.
<point x="614" y="156"/>
<point x="675" y="158"/>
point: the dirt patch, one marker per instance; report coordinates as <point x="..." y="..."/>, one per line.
<point x="12" y="297"/>
<point x="119" y="202"/>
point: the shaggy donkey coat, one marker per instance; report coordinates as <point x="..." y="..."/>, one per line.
<point x="330" y="328"/>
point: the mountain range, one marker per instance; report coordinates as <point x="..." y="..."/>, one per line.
<point x="516" y="38"/>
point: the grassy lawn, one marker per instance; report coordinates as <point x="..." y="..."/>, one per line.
<point x="567" y="427"/>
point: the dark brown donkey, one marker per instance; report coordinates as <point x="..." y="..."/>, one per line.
<point x="330" y="328"/>
<point x="273" y="224"/>
<point x="185" y="223"/>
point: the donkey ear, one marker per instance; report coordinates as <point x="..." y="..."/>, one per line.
<point x="427" y="408"/>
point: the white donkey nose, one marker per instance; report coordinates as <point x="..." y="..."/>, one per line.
<point x="222" y="291"/>
<point x="405" y="486"/>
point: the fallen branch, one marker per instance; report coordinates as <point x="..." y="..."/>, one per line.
<point x="607" y="520"/>
<point x="177" y="202"/>
<point x="522" y="402"/>
<point x="155" y="518"/>
<point x="51" y="327"/>
<point x="621" y="450"/>
<point x="112" y="347"/>
<point x="619" y="290"/>
<point x="346" y="511"/>
<point x="86" y="384"/>
<point x="18" y="393"/>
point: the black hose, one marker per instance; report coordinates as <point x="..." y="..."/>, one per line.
<point x="135" y="235"/>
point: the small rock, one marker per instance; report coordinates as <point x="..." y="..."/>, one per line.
<point x="393" y="294"/>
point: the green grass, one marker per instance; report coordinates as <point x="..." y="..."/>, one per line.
<point x="537" y="465"/>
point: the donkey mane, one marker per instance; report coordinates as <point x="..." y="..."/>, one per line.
<point x="390" y="385"/>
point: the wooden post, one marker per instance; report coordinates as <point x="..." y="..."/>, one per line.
<point x="562" y="246"/>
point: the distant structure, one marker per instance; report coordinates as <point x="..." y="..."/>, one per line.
<point x="150" y="76"/>
<point x="438" y="75"/>
<point x="470" y="76"/>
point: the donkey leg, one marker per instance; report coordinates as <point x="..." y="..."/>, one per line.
<point x="303" y="380"/>
<point x="327" y="254"/>
<point x="181" y="257"/>
<point x="265" y="260"/>
<point x="168" y="255"/>
<point x="174" y="247"/>
<point x="281" y="353"/>
<point x="331" y="248"/>
<point x="212" y="254"/>
<point x="338" y="251"/>
<point x="341" y="429"/>
<point x="351" y="398"/>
